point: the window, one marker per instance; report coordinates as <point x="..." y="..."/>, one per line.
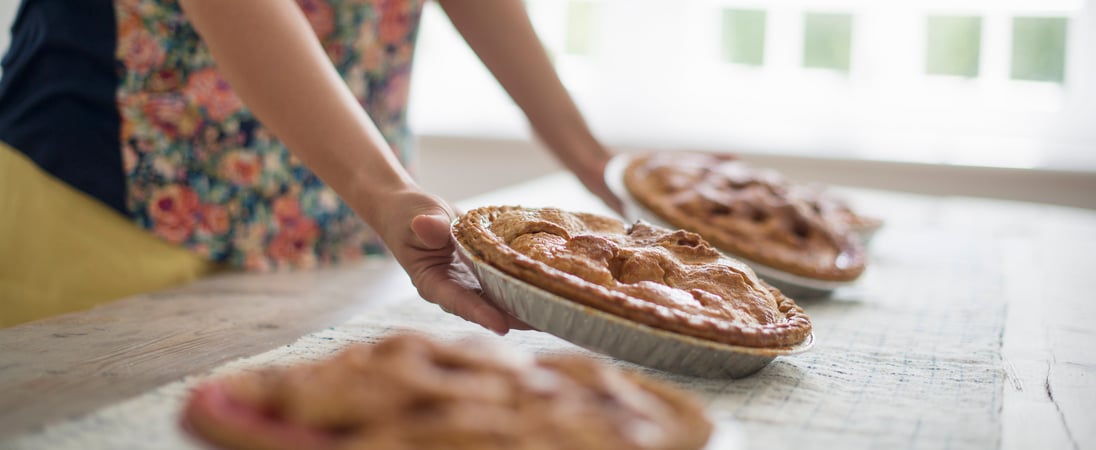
<point x="581" y="15"/>
<point x="954" y="45"/>
<point x="827" y="41"/>
<point x="744" y="36"/>
<point x="1039" y="48"/>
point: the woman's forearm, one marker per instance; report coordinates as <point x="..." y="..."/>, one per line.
<point x="500" y="33"/>
<point x="270" y="56"/>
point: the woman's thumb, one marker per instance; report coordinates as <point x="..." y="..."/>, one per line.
<point x="432" y="230"/>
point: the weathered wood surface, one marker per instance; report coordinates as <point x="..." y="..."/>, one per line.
<point x="72" y="364"/>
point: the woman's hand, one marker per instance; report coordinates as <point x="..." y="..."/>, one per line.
<point x="415" y="227"/>
<point x="592" y="175"/>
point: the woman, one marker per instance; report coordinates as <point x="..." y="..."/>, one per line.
<point x="258" y="134"/>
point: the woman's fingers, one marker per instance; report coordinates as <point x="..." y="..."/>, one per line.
<point x="599" y="188"/>
<point x="516" y="324"/>
<point x="444" y="287"/>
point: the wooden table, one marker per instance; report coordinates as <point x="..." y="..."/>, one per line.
<point x="68" y="366"/>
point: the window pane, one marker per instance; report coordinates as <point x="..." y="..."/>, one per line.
<point x="827" y="41"/>
<point x="744" y="36"/>
<point x="953" y="46"/>
<point x="1039" y="48"/>
<point x="580" y="27"/>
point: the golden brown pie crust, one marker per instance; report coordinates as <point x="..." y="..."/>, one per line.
<point x="751" y="213"/>
<point x="671" y="280"/>
<point x="409" y="392"/>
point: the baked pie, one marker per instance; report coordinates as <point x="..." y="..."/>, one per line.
<point x="410" y="393"/>
<point x="836" y="209"/>
<point x="752" y="213"/>
<point x="669" y="280"/>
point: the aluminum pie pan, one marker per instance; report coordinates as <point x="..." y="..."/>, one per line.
<point x="618" y="337"/>
<point x="792" y="285"/>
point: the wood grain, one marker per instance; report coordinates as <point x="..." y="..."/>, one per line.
<point x="73" y="364"/>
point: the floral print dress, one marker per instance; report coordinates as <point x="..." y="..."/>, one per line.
<point x="202" y="172"/>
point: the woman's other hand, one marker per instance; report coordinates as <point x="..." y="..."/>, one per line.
<point x="591" y="172"/>
<point x="500" y="33"/>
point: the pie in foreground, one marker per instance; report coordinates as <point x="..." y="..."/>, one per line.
<point x="411" y="393"/>
<point x="752" y="213"/>
<point x="669" y="280"/>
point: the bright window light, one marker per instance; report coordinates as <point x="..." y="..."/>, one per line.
<point x="581" y="18"/>
<point x="1039" y="48"/>
<point x="744" y="36"/>
<point x="953" y="46"/>
<point x="1005" y="83"/>
<point x="827" y="41"/>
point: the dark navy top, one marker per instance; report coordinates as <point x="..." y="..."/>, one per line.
<point x="57" y="94"/>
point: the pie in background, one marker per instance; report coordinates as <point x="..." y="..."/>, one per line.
<point x="752" y="213"/>
<point x="665" y="279"/>
<point x="408" y="392"/>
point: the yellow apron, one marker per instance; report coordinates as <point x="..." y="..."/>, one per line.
<point x="61" y="250"/>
